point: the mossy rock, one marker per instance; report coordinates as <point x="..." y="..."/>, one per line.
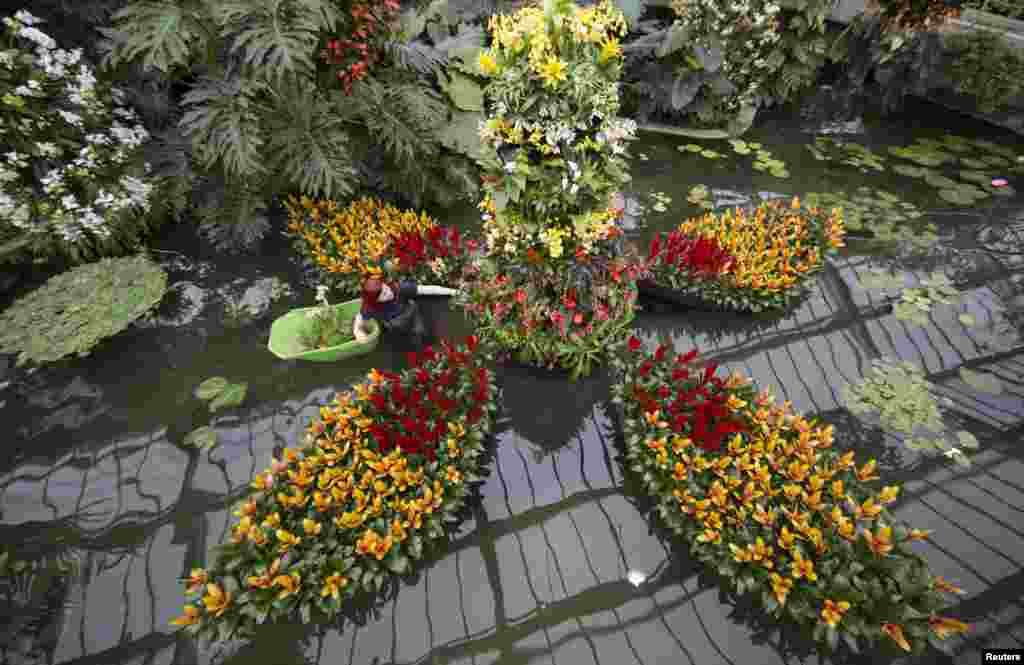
<point x="73" y="311"/>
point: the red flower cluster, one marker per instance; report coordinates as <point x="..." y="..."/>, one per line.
<point x="695" y="255"/>
<point x="414" y="417"/>
<point x="360" y="51"/>
<point x="414" y="250"/>
<point x="698" y="409"/>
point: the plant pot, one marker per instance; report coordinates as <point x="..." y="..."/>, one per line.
<point x="286" y="335"/>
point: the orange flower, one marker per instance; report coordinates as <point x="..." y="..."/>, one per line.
<point x="333" y="585"/>
<point x="944" y="626"/>
<point x="802" y="568"/>
<point x="942" y="585"/>
<point x="917" y="534"/>
<point x="191" y="616"/>
<point x="216" y="600"/>
<point x="833" y="612"/>
<point x="289" y="585"/>
<point x="888" y="494"/>
<point x="881" y="542"/>
<point x="311" y="527"/>
<point x="197" y="580"/>
<point x="895" y="631"/>
<point x="867" y="472"/>
<point x="781" y="586"/>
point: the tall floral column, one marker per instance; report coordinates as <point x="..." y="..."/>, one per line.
<point x="553" y="287"/>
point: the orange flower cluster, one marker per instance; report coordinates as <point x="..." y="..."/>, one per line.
<point x="775" y="500"/>
<point x="354" y="242"/>
<point x="365" y="484"/>
<point x="773" y="249"/>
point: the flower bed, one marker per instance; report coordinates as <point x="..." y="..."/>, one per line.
<point x="743" y="261"/>
<point x="761" y="498"/>
<point x="371" y="237"/>
<point x="380" y="474"/>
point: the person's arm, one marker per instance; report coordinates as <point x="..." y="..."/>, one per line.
<point x="361" y="329"/>
<point x="431" y="290"/>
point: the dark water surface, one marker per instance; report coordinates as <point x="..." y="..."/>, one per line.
<point x="558" y="562"/>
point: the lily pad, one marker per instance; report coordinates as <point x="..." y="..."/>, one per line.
<point x="204" y="437"/>
<point x="979" y="177"/>
<point x="779" y="173"/>
<point x="940" y="181"/>
<point x="967" y="440"/>
<point x="972" y="163"/>
<point x="957" y="196"/>
<point x="710" y="154"/>
<point x="233" y="395"/>
<point x="211" y="387"/>
<point x="982" y="381"/>
<point x="909" y="171"/>
<point x="691" y="147"/>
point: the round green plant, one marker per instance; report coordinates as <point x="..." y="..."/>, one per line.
<point x="73" y="311"/>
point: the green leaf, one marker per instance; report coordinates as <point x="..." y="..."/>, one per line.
<point x="398" y="564"/>
<point x="211" y="387"/>
<point x="204" y="437"/>
<point x="464" y="92"/>
<point x="967" y="440"/>
<point x="165" y="35"/>
<point x="232" y="395"/>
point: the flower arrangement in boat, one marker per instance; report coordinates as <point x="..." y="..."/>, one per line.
<point x="760" y="497"/>
<point x="370" y="237"/>
<point x="746" y="261"/>
<point x="380" y="474"/>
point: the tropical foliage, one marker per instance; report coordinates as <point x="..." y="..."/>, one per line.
<point x="381" y="474"/>
<point x="746" y="261"/>
<point x="282" y="97"/>
<point x="73" y="183"/>
<point x="73" y="311"/>
<point x="759" y="496"/>
<point x="986" y="67"/>
<point x="370" y="237"/>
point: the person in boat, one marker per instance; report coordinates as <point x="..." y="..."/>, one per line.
<point x="393" y="307"/>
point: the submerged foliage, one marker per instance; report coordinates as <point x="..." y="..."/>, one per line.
<point x="759" y="496"/>
<point x="746" y="261"/>
<point x="73" y="311"/>
<point x="381" y="474"/>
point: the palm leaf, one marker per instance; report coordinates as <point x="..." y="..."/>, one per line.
<point x="164" y="33"/>
<point x="223" y="124"/>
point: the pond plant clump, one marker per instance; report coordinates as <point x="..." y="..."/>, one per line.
<point x="381" y="474"/>
<point x="370" y="237"/>
<point x="73" y="311"/>
<point x="553" y="286"/>
<point x="747" y="261"/>
<point x="760" y="497"/>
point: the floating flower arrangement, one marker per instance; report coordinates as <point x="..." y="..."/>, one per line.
<point x="759" y="495"/>
<point x="382" y="472"/>
<point x="741" y="260"/>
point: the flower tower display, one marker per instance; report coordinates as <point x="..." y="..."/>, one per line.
<point x="552" y="286"/>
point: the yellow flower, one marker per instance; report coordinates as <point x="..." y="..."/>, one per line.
<point x="609" y="49"/>
<point x="944" y="626"/>
<point x="488" y="65"/>
<point x="216" y="600"/>
<point x="311" y="527"/>
<point x="710" y="536"/>
<point x="833" y="612"/>
<point x="272" y="521"/>
<point x="289" y="584"/>
<point x="333" y="585"/>
<point x="197" y="579"/>
<point x="867" y="472"/>
<point x="552" y="72"/>
<point x="917" y="534"/>
<point x="802" y="568"/>
<point x="453" y="475"/>
<point x="191" y="616"/>
<point x="895" y="631"/>
<point x="398" y="530"/>
<point x="739" y="554"/>
<point x="286" y="539"/>
<point x="781" y="586"/>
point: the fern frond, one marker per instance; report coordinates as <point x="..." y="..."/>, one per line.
<point x="308" y="142"/>
<point x="279" y="36"/>
<point x="222" y="121"/>
<point x="164" y="32"/>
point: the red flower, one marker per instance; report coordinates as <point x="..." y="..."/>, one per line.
<point x="471" y="343"/>
<point x="422" y="376"/>
<point x="428" y="354"/>
<point x="379" y="400"/>
<point x="709" y="371"/>
<point x="679" y="374"/>
<point x="413" y="359"/>
<point x="688" y="358"/>
<point x="570" y="299"/>
<point x="645" y="369"/>
<point x="578" y="318"/>
<point x="664" y="392"/>
<point x="474" y="414"/>
<point x="659" y="355"/>
<point x="634" y="344"/>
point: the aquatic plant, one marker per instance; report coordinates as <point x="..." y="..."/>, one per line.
<point x="761" y="498"/>
<point x="914" y="303"/>
<point x="72" y="312"/>
<point x="977" y="162"/>
<point x="349" y="244"/>
<point x="73" y="183"/>
<point x="750" y="261"/>
<point x="661" y="201"/>
<point x="379" y="476"/>
<point x="828" y="149"/>
<point x="699" y="196"/>
<point x="878" y="220"/>
<point x="900" y="397"/>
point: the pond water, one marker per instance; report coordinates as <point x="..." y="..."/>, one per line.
<point x="558" y="562"/>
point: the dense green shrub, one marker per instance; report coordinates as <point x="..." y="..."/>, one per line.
<point x="986" y="67"/>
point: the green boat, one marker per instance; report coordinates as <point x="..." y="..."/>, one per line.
<point x="286" y="336"/>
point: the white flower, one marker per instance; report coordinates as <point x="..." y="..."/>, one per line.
<point x="71" y="118"/>
<point x="69" y="202"/>
<point x="38" y="36"/>
<point x="510" y="167"/>
<point x="23" y="16"/>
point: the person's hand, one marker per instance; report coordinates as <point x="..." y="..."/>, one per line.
<point x="360" y="336"/>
